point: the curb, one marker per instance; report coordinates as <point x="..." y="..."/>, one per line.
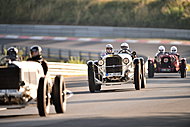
<point x="173" y="42"/>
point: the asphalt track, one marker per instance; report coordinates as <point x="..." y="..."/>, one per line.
<point x="164" y="102"/>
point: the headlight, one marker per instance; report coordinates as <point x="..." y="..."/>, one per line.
<point x="125" y="60"/>
<point x="100" y="62"/>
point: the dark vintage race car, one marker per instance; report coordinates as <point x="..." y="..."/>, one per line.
<point x="24" y="82"/>
<point x="115" y="69"/>
<point x="167" y="63"/>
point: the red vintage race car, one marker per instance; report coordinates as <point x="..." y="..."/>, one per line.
<point x="167" y="63"/>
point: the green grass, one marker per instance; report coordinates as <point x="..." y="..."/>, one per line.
<point x="127" y="13"/>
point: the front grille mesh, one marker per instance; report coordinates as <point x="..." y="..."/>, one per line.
<point x="9" y="78"/>
<point x="111" y="63"/>
<point x="166" y="64"/>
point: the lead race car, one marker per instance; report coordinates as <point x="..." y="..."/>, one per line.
<point x="114" y="69"/>
<point x="167" y="63"/>
<point x="24" y="82"/>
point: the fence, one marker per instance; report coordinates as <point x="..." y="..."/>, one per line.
<point x="55" y="54"/>
<point x="93" y="31"/>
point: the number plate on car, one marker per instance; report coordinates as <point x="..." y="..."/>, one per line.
<point x="114" y="74"/>
<point x="166" y="70"/>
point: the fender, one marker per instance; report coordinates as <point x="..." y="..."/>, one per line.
<point x="90" y="62"/>
<point x="151" y="59"/>
<point x="142" y="60"/>
<point x="136" y="61"/>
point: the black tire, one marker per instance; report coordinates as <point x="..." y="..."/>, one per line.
<point x="137" y="76"/>
<point x="59" y="94"/>
<point x="98" y="87"/>
<point x="43" y="99"/>
<point x="150" y="69"/>
<point x="91" y="78"/>
<point x="143" y="78"/>
<point x="183" y="70"/>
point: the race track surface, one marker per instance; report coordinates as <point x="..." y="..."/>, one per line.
<point x="164" y="102"/>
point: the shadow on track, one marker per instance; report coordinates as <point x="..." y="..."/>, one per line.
<point x="129" y="99"/>
<point x="163" y="120"/>
<point x="106" y="91"/>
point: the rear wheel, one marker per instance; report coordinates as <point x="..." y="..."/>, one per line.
<point x="143" y="79"/>
<point x="43" y="97"/>
<point x="91" y="78"/>
<point x="150" y="69"/>
<point x="137" y="76"/>
<point x="59" y="94"/>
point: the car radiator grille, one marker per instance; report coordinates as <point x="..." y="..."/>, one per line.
<point x="166" y="64"/>
<point x="9" y="78"/>
<point x="111" y="65"/>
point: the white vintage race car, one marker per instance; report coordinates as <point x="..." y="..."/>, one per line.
<point x="118" y="68"/>
<point x="24" y="82"/>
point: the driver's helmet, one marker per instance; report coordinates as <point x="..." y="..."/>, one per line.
<point x="124" y="46"/>
<point x="12" y="53"/>
<point x="109" y="48"/>
<point x="161" y="49"/>
<point x="173" y="49"/>
<point x="35" y="50"/>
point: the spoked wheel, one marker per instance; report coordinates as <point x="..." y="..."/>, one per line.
<point x="137" y="76"/>
<point x="59" y="94"/>
<point x="43" y="97"/>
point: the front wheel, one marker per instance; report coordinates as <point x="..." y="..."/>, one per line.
<point x="137" y="76"/>
<point x="183" y="70"/>
<point x="91" y="78"/>
<point x="43" y="97"/>
<point x="59" y="94"/>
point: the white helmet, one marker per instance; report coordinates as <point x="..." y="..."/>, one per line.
<point x="109" y="48"/>
<point x="124" y="46"/>
<point x="173" y="49"/>
<point x="161" y="49"/>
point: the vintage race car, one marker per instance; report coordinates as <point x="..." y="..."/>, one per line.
<point x="167" y="63"/>
<point x="24" y="82"/>
<point x="114" y="69"/>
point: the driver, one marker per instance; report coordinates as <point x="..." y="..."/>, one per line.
<point x="173" y="51"/>
<point x="12" y="54"/>
<point x="36" y="55"/>
<point x="125" y="48"/>
<point x="108" y="50"/>
<point x="161" y="51"/>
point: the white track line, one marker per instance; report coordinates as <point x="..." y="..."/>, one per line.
<point x="2" y="109"/>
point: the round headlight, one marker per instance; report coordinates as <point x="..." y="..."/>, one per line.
<point x="100" y="62"/>
<point x="125" y="60"/>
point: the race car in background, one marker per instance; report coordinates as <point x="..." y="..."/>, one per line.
<point x="167" y="63"/>
<point x="24" y="82"/>
<point x="118" y="68"/>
